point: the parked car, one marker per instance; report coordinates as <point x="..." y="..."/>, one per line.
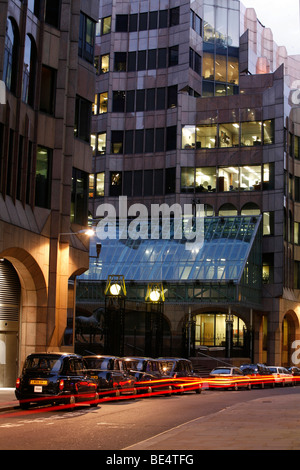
<point x="259" y="374"/>
<point x="228" y="377"/>
<point x="148" y="375"/>
<point x="111" y="375"/>
<point x="182" y="370"/>
<point x="281" y="375"/>
<point x="55" y="378"/>
<point x="295" y="371"/>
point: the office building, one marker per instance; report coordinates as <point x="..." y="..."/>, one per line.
<point x="196" y="104"/>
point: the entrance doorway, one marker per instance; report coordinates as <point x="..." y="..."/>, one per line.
<point x="10" y="293"/>
<point x="288" y="336"/>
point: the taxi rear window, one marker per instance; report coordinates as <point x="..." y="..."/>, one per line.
<point x="46" y="364"/>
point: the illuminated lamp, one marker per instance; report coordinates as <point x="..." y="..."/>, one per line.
<point x="115" y="289"/>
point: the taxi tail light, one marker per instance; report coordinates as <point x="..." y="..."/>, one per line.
<point x="18" y="382"/>
<point x="61" y="385"/>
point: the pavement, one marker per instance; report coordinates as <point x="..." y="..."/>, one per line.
<point x="266" y="423"/>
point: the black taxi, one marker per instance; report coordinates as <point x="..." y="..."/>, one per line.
<point x="55" y="378"/>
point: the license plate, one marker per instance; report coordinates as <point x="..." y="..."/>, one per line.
<point x="38" y="382"/>
<point x="38" y="389"/>
<point x="94" y="377"/>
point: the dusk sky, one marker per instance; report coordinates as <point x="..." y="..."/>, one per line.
<point x="282" y="17"/>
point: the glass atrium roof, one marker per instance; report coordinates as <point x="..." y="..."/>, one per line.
<point x="225" y="254"/>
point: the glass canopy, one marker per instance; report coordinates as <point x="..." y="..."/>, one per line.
<point x="231" y="253"/>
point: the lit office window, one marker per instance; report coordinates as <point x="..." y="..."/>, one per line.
<point x="269" y="131"/>
<point x="229" y="135"/>
<point x="228" y="179"/>
<point x="205" y="179"/>
<point x="189" y="137"/>
<point x="251" y="133"/>
<point x="100" y="178"/>
<point x="103" y="103"/>
<point x="206" y="136"/>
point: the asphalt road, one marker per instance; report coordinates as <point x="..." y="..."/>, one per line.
<point x="129" y="424"/>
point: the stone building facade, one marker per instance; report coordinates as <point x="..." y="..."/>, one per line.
<point x="48" y="82"/>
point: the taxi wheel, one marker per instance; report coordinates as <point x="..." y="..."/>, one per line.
<point x="94" y="404"/>
<point x="71" y="402"/>
<point x="24" y="406"/>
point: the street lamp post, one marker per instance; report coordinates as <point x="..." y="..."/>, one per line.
<point x="114" y="318"/>
<point x="155" y="299"/>
<point x="229" y="332"/>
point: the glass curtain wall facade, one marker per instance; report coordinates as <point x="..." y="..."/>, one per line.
<point x="221" y="35"/>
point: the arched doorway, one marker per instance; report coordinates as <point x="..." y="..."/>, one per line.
<point x="289" y="324"/>
<point x="10" y="297"/>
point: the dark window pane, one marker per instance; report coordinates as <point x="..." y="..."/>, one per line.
<point x="171" y="138"/>
<point x="151" y="59"/>
<point x="173" y="56"/>
<point x="52" y="13"/>
<point x="149" y="141"/>
<point x="11" y="52"/>
<point x="47" y="90"/>
<point x="163" y="18"/>
<point x="153" y="18"/>
<point x="150" y="105"/>
<point x="142" y="60"/>
<point x="130" y="98"/>
<point x="161" y="98"/>
<point x="148" y="182"/>
<point x="117" y="142"/>
<point x="127" y="183"/>
<point x="139" y="141"/>
<point x="138" y="183"/>
<point x="162" y="58"/>
<point x="197" y="63"/>
<point x="83" y="113"/>
<point x="86" y="42"/>
<point x="158" y="182"/>
<point x="160" y="140"/>
<point x="115" y="184"/>
<point x="174" y="16"/>
<point x="133" y="20"/>
<point x="172" y="96"/>
<point x="118" y="102"/>
<point x="143" y="21"/>
<point x="170" y="180"/>
<point x="129" y="142"/>
<point x="140" y="100"/>
<point x="121" y="23"/>
<point x="131" y="62"/>
<point x="120" y="61"/>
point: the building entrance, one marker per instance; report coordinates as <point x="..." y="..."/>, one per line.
<point x="10" y="293"/>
